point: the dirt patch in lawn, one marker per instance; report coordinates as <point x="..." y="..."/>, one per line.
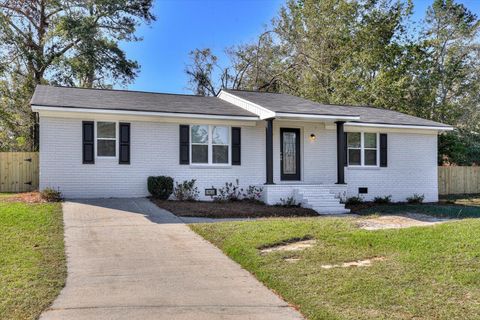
<point x="398" y="222"/>
<point x="236" y="209"/>
<point x="291" y="246"/>
<point x="26" y="197"/>
<point x="357" y="263"/>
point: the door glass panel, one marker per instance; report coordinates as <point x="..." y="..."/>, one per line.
<point x="289" y="153"/>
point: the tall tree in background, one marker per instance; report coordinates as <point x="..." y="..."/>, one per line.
<point x="372" y="53"/>
<point x="71" y="42"/>
<point x="452" y="52"/>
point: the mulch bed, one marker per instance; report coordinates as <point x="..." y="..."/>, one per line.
<point x="26" y="197"/>
<point x="237" y="209"/>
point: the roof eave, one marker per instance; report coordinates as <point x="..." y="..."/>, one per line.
<point x="40" y="108"/>
<point x="399" y="126"/>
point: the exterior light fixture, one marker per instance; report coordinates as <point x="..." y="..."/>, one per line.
<point x="313" y="137"/>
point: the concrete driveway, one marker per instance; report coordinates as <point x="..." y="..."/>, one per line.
<point x="128" y="259"/>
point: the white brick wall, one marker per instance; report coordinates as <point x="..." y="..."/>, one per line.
<point x="154" y="151"/>
<point x="411" y="167"/>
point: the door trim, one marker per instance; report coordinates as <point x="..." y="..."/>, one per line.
<point x="297" y="176"/>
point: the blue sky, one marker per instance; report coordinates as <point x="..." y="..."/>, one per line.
<point x="183" y="25"/>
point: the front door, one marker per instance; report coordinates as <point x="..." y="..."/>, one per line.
<point x="290" y="154"/>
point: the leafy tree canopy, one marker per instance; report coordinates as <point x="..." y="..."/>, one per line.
<point x="67" y="42"/>
<point x="367" y="53"/>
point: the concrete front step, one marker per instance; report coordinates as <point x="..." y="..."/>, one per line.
<point x="326" y="210"/>
<point x="326" y="203"/>
<point x="321" y="199"/>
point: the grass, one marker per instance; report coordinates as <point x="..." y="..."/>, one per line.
<point x="429" y="272"/>
<point x="458" y="206"/>
<point x="32" y="259"/>
<point x="4" y="195"/>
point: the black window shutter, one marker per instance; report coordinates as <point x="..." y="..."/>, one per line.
<point x="236" y="146"/>
<point x="88" y="141"/>
<point x="345" y="150"/>
<point x="184" y="144"/>
<point x="383" y="149"/>
<point x="124" y="136"/>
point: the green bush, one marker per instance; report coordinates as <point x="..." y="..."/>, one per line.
<point x="354" y="200"/>
<point x="160" y="187"/>
<point x="288" y="202"/>
<point x="186" y="191"/>
<point x="383" y="200"/>
<point x="230" y="192"/>
<point x="253" y="194"/>
<point x="51" y="195"/>
<point x="416" y="198"/>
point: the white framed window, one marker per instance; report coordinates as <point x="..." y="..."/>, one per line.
<point x="106" y="138"/>
<point x="363" y="149"/>
<point x="210" y="145"/>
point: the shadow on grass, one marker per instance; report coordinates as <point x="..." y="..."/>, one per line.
<point x="454" y="211"/>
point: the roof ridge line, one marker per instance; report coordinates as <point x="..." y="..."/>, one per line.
<point x="126" y="90"/>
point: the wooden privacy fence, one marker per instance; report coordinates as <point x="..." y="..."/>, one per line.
<point x="458" y="180"/>
<point x="18" y="171"/>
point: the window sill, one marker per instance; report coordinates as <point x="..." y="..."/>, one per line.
<point x="363" y="168"/>
<point x="210" y="166"/>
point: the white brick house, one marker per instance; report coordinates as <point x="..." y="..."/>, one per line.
<point x="105" y="143"/>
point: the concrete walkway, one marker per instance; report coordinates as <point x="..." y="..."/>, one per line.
<point x="128" y="259"/>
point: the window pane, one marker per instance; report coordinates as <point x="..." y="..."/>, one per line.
<point x="370" y="140"/>
<point x="353" y="139"/>
<point x="354" y="157"/>
<point x="106" y="148"/>
<point x="370" y="157"/>
<point x="199" y="134"/>
<point x="220" y="154"/>
<point x="199" y="153"/>
<point x="106" y="130"/>
<point x="220" y="135"/>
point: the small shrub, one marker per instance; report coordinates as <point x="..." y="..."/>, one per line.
<point x="383" y="200"/>
<point x="51" y="195"/>
<point x="253" y="193"/>
<point x="416" y="198"/>
<point x="230" y="192"/>
<point x="186" y="191"/>
<point x="354" y="200"/>
<point x="160" y="187"/>
<point x="288" y="202"/>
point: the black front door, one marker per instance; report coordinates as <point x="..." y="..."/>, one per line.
<point x="290" y="154"/>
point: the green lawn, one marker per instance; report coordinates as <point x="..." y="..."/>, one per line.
<point x="429" y="272"/>
<point x="458" y="206"/>
<point x="4" y="195"/>
<point x="32" y="259"/>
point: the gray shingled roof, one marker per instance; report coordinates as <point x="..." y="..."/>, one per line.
<point x="133" y="101"/>
<point x="279" y="102"/>
<point x="175" y="103"/>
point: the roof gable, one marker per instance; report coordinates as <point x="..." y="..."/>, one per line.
<point x="285" y="103"/>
